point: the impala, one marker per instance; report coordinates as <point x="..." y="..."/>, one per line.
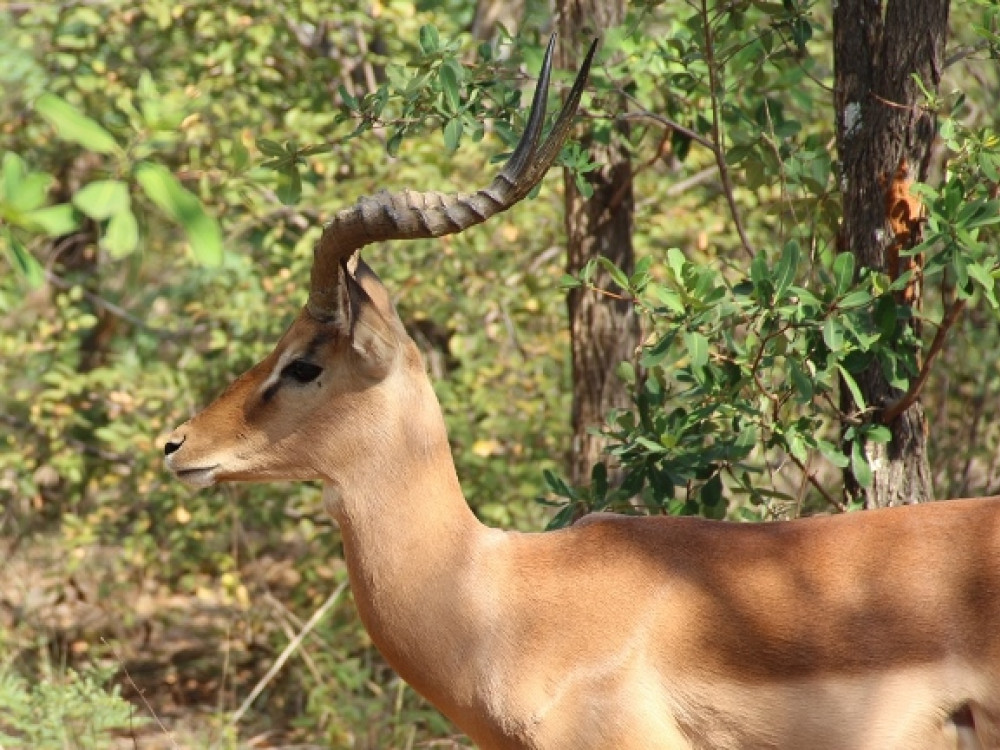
<point x="865" y="631"/>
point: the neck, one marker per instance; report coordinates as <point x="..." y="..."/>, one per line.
<point x="409" y="539"/>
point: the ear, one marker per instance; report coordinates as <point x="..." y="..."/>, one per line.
<point x="374" y="322"/>
<point x="375" y="290"/>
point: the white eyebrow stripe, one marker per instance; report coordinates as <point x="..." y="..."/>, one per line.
<point x="275" y="375"/>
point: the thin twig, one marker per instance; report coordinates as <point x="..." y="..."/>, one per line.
<point x="616" y="199"/>
<point x="815" y="483"/>
<point x="720" y="157"/>
<point x="289" y="650"/>
<point x="890" y="413"/>
<point x="698" y="178"/>
<point x="110" y="307"/>
<point x="607" y="293"/>
<point x="965" y="52"/>
<point x="141" y="694"/>
<point x="671" y="124"/>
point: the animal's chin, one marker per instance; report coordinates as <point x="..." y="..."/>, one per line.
<point x="198" y="477"/>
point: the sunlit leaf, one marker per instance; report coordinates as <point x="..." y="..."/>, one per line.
<point x="72" y="125"/>
<point x="122" y="234"/>
<point x="182" y="206"/>
<point x="102" y="199"/>
<point x="23" y="262"/>
<point x="449" y="76"/>
<point x="860" y="467"/>
<point x="452" y="133"/>
<point x="289" y="185"/>
<point x="429" y="41"/>
<point x="848" y="380"/>
<point x="54" y="221"/>
<point x="23" y="190"/>
<point x="833" y="334"/>
<point x="843" y="272"/>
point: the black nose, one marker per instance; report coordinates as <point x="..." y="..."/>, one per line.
<point x="172" y="446"/>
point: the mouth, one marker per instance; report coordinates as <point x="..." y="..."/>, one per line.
<point x="199" y="477"/>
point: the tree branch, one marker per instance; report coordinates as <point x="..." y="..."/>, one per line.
<point x="820" y="488"/>
<point x="110" y="307"/>
<point x="891" y="412"/>
<point x="720" y="157"/>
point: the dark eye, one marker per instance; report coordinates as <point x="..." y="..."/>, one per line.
<point x="301" y="371"/>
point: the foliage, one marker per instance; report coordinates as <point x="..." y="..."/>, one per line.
<point x="63" y="711"/>
<point x="740" y="373"/>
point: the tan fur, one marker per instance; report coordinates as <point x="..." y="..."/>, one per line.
<point x="866" y="631"/>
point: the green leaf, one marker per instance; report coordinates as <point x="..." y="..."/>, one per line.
<point x="990" y="166"/>
<point x="23" y="190"/>
<point x="449" y="75"/>
<point x="801" y="382"/>
<point x="13" y="172"/>
<point x="852" y="386"/>
<point x="626" y="372"/>
<point x="985" y="279"/>
<point x="833" y="334"/>
<point x="857" y="298"/>
<point x="711" y="492"/>
<point x="557" y="485"/>
<point x="598" y="482"/>
<point x="885" y="315"/>
<point x="668" y="297"/>
<point x="878" y="433"/>
<point x="429" y="41"/>
<point x="29" y="269"/>
<point x="760" y="274"/>
<point x="676" y="262"/>
<point x="832" y="453"/>
<point x="122" y="234"/>
<point x="697" y="346"/>
<point x="349" y="99"/>
<point x="859" y="465"/>
<point x="649" y="445"/>
<point x="271" y="148"/>
<point x="72" y="125"/>
<point x="54" y="221"/>
<point x="102" y="199"/>
<point x="289" y="185"/>
<point x="452" y="134"/>
<point x="395" y="140"/>
<point x="182" y="206"/>
<point x="656" y="353"/>
<point x="616" y="274"/>
<point x="988" y="213"/>
<point x="785" y="271"/>
<point x="240" y="155"/>
<point x="843" y="272"/>
<point x="569" y="281"/>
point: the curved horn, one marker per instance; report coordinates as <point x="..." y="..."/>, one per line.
<point x="409" y="214"/>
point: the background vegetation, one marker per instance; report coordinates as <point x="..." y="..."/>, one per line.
<point x="165" y="170"/>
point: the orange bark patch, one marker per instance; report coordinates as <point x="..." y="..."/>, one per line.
<point x="904" y="213"/>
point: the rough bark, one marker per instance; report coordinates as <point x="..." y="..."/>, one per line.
<point x="883" y="139"/>
<point x="604" y="331"/>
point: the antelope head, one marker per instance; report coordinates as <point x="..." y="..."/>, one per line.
<point x="346" y="375"/>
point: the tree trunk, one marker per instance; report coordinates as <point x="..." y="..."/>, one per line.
<point x="491" y="14"/>
<point x="604" y="331"/>
<point x="884" y="137"/>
